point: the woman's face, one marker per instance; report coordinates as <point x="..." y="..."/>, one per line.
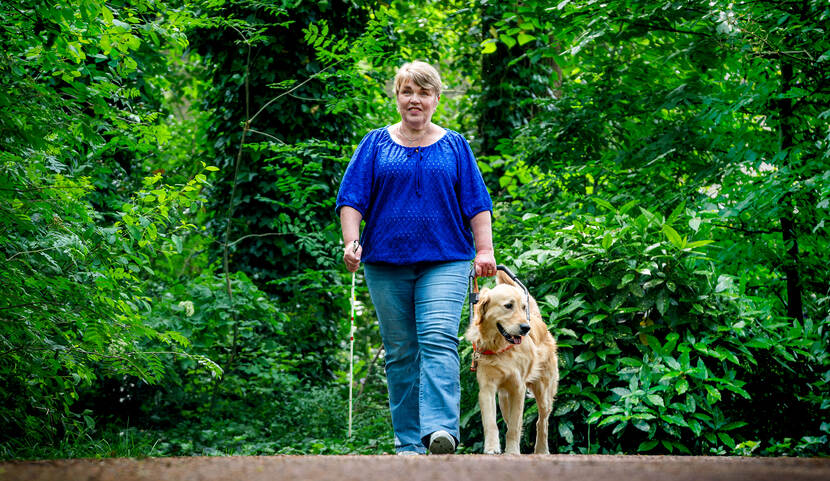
<point x="416" y="104"/>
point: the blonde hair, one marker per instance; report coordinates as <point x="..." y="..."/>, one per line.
<point x="423" y="74"/>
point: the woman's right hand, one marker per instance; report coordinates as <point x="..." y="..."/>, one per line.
<point x="351" y="256"/>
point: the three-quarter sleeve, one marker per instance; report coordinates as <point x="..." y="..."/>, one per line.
<point x="356" y="186"/>
<point x="472" y="192"/>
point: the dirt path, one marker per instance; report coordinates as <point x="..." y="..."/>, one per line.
<point x="412" y="468"/>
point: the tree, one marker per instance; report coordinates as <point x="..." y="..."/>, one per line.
<point x="79" y="85"/>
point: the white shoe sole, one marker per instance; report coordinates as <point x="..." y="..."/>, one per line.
<point x="442" y="444"/>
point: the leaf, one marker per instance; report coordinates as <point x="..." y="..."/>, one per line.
<point x="648" y="445"/>
<point x="488" y="46"/>
<point x="607" y="241"/>
<point x="599" y="282"/>
<point x="676" y="212"/>
<point x="177" y="241"/>
<point x="675" y="419"/>
<point x="656" y="400"/>
<point x="712" y="394"/>
<point x="566" y="431"/>
<point x="597" y="318"/>
<point x="652" y="283"/>
<point x="696" y="244"/>
<point x="565" y="408"/>
<point x="694" y="223"/>
<point x="673" y="236"/>
<point x="507" y="40"/>
<point x="593" y="417"/>
<point x="672" y="362"/>
<point x="734" y="425"/>
<point x="585" y="356"/>
<point x="626" y="279"/>
<point x="604" y="204"/>
<point x="725" y="282"/>
<point x="524" y="38"/>
<point x="641" y="425"/>
<point x="661" y="303"/>
<point x="727" y="440"/>
<point x="621" y="391"/>
<point x="628" y="206"/>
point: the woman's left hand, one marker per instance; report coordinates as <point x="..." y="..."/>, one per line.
<point x="485" y="263"/>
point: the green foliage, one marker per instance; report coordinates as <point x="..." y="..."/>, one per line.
<point x="661" y="351"/>
<point x="661" y="185"/>
<point x="80" y="85"/>
<point x="707" y="113"/>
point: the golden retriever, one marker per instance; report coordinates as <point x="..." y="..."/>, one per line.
<point x="511" y="355"/>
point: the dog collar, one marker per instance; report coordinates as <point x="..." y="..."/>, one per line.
<point x="477" y="354"/>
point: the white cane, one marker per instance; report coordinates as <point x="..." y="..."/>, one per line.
<point x="351" y="348"/>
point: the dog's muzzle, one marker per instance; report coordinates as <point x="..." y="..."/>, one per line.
<point x="513" y="339"/>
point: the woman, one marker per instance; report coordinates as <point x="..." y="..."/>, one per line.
<point x="427" y="214"/>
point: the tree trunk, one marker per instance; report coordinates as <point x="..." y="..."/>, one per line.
<point x="795" y="308"/>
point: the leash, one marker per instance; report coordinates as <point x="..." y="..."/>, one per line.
<point x="473" y="296"/>
<point x="473" y="290"/>
<point x="351" y="346"/>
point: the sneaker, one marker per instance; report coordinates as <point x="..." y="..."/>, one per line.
<point x="408" y="453"/>
<point x="441" y="442"/>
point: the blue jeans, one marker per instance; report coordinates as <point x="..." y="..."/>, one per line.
<point x="419" y="310"/>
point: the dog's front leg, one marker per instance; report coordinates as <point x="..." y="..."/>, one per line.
<point x="487" y="403"/>
<point x="512" y="410"/>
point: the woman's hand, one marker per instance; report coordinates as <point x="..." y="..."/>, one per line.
<point x="350" y="224"/>
<point x="485" y="263"/>
<point x="351" y="256"/>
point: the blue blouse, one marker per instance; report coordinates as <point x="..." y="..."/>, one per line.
<point x="417" y="202"/>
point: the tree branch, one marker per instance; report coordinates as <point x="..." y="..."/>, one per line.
<point x="269" y="234"/>
<point x="369" y="371"/>
<point x="266" y="135"/>
<point x="251" y="120"/>
<point x="668" y="29"/>
<point x="30" y="252"/>
<point x="745" y="230"/>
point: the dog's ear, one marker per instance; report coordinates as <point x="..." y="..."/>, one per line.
<point x="503" y="278"/>
<point x="481" y="306"/>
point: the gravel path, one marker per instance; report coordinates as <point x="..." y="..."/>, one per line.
<point x="430" y="468"/>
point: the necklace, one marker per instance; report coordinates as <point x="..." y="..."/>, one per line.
<point x="412" y="140"/>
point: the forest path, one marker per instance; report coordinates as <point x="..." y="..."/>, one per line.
<point x="410" y="468"/>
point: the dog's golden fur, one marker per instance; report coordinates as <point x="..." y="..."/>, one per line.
<point x="532" y="363"/>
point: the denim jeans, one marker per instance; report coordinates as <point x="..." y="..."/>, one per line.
<point x="419" y="310"/>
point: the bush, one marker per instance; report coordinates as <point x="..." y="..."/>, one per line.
<point x="659" y="351"/>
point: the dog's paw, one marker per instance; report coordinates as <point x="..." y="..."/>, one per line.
<point x="492" y="450"/>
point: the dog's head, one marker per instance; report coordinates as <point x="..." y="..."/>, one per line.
<point x="501" y="311"/>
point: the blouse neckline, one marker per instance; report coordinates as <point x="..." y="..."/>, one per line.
<point x="389" y="135"/>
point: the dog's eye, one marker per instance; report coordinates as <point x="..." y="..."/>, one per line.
<point x="509" y="305"/>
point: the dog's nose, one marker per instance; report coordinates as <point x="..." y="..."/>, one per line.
<point x="524" y="328"/>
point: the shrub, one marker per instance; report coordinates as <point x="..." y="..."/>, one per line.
<point x="660" y="352"/>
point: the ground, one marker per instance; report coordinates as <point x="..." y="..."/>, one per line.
<point x="433" y="468"/>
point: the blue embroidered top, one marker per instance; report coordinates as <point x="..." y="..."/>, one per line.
<point x="417" y="202"/>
